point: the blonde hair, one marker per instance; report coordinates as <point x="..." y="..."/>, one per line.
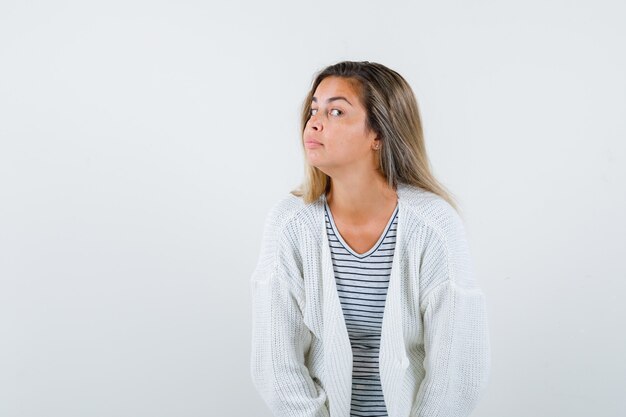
<point x="392" y="113"/>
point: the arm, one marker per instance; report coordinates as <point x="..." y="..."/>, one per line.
<point x="280" y="339"/>
<point x="456" y="335"/>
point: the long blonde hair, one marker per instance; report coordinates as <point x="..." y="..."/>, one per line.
<point x="392" y="113"/>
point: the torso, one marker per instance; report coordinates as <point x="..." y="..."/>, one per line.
<point x="362" y="269"/>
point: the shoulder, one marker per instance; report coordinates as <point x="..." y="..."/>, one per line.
<point x="282" y="237"/>
<point x="275" y="231"/>
<point x="290" y="219"/>
<point x="284" y="211"/>
<point x="441" y="238"/>
<point x="432" y="211"/>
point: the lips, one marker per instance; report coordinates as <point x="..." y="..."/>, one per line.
<point x="310" y="140"/>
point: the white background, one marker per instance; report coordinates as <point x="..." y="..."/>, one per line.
<point x="143" y="142"/>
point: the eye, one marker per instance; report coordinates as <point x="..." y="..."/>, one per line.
<point x="339" y="112"/>
<point x="312" y="112"/>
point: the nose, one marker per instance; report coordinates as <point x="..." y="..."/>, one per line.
<point x="315" y="123"/>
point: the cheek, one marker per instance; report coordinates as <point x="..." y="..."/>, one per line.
<point x="346" y="138"/>
<point x="344" y="148"/>
<point x="354" y="139"/>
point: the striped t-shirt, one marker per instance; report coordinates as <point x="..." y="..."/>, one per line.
<point x="362" y="281"/>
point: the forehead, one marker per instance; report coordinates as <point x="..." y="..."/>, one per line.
<point x="332" y="85"/>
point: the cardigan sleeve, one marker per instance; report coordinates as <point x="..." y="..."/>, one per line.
<point x="280" y="339"/>
<point x="456" y="336"/>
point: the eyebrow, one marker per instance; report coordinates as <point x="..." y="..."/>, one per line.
<point x="333" y="98"/>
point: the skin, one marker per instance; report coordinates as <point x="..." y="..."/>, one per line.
<point x="360" y="199"/>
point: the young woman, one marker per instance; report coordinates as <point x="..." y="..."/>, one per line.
<point x="364" y="299"/>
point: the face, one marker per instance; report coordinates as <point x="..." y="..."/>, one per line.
<point x="335" y="136"/>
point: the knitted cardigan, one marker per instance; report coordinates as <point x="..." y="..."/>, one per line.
<point x="434" y="355"/>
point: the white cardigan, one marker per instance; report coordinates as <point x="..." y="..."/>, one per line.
<point x="434" y="353"/>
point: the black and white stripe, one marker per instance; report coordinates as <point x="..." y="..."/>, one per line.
<point x="362" y="281"/>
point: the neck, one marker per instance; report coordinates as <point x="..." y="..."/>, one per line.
<point x="360" y="199"/>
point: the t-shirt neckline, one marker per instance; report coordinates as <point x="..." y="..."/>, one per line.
<point x="371" y="250"/>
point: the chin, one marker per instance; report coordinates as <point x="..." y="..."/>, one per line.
<point x="314" y="160"/>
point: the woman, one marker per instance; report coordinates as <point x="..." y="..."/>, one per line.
<point x="364" y="299"/>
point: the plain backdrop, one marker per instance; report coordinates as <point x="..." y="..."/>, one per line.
<point x="142" y="144"/>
